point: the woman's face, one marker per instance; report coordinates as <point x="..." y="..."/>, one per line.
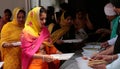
<point x="7" y="16"/>
<point x="79" y="15"/>
<point x="21" y="18"/>
<point x="42" y="19"/>
<point x="68" y="20"/>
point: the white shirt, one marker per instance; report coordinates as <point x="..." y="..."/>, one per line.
<point x="112" y="41"/>
<point x="115" y="64"/>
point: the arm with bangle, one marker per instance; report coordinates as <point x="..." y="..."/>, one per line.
<point x="7" y="44"/>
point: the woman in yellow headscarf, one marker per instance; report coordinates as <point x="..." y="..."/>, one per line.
<point x="36" y="42"/>
<point x="63" y="31"/>
<point x="10" y="40"/>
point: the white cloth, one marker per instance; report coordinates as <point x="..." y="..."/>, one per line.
<point x="112" y="41"/>
<point x="82" y="64"/>
<point x="115" y="64"/>
<point x="16" y="44"/>
<point x="109" y="10"/>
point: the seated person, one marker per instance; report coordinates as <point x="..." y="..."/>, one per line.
<point x="6" y="18"/>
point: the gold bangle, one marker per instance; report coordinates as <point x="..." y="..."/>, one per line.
<point x="43" y="57"/>
<point x="3" y="45"/>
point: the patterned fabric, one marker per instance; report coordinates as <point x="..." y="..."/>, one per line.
<point x="32" y="37"/>
<point x="50" y="27"/>
<point x="64" y="28"/>
<point x="32" y="24"/>
<point x="11" y="33"/>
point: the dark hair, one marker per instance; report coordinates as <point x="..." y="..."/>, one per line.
<point x="83" y="13"/>
<point x="67" y="14"/>
<point x="22" y="11"/>
<point x="43" y="10"/>
<point x="8" y="11"/>
<point x="50" y="9"/>
<point x="64" y="6"/>
<point x="58" y="15"/>
<point x="116" y="3"/>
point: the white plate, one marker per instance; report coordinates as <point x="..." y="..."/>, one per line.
<point x="16" y="43"/>
<point x="65" y="56"/>
<point x="82" y="63"/>
<point x="73" y="41"/>
<point x="92" y="46"/>
<point x="1" y="64"/>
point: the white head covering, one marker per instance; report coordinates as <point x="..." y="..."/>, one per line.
<point x="109" y="10"/>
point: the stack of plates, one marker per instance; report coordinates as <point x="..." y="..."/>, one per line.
<point x="82" y="63"/>
<point x="65" y="56"/>
<point x="73" y="41"/>
<point x="1" y="64"/>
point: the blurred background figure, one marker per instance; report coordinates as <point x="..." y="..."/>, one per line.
<point x="6" y="18"/>
<point x="111" y="15"/>
<point x="63" y="31"/>
<point x="50" y="15"/>
<point x="82" y="24"/>
<point x="10" y="34"/>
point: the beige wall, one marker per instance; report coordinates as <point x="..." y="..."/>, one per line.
<point x="11" y="4"/>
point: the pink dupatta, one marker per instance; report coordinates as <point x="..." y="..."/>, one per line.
<point x="31" y="46"/>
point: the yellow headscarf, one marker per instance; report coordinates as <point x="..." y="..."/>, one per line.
<point x="10" y="32"/>
<point x="60" y="32"/>
<point x="62" y="23"/>
<point x="15" y="12"/>
<point x="11" y="29"/>
<point x="32" y="24"/>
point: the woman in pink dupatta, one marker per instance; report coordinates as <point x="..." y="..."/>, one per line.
<point x="36" y="43"/>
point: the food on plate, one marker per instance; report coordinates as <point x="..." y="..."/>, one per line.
<point x="93" y="62"/>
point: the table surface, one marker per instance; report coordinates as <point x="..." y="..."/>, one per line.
<point x="71" y="63"/>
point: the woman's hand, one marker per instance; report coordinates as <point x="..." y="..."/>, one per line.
<point x="7" y="45"/>
<point x="108" y="58"/>
<point x="105" y="44"/>
<point x="58" y="52"/>
<point x="59" y="42"/>
<point x="103" y="31"/>
<point x="48" y="58"/>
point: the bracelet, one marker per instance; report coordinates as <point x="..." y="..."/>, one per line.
<point x="43" y="57"/>
<point x="3" y="44"/>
